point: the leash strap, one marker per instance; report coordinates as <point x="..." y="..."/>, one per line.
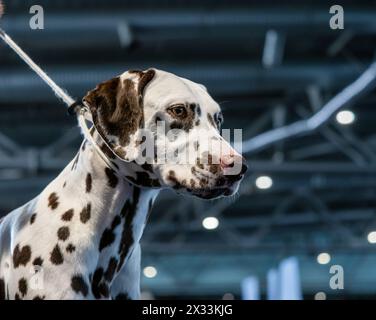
<point x="78" y="108"/>
<point x="59" y="92"/>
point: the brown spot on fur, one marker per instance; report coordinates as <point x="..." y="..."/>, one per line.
<point x="70" y="248"/>
<point x="22" y="286"/>
<point x="147" y="167"/>
<point x="112" y="178"/>
<point x="85" y="213"/>
<point x="115" y="222"/>
<point x="39" y="298"/>
<point x="129" y="211"/>
<point x="144" y="180"/>
<point x="215" y="168"/>
<point x="21" y="257"/>
<point x="98" y="286"/>
<point x="79" y="285"/>
<point x="176" y="184"/>
<point x="53" y="202"/>
<point x="203" y="183"/>
<point x="211" y="120"/>
<point x="108" y="235"/>
<point x="110" y="272"/>
<point x="67" y="216"/>
<point x="56" y="255"/>
<point x="141" y="141"/>
<point x="89" y="182"/>
<point x="32" y="218"/>
<point x="176" y="125"/>
<point x="199" y="164"/>
<point x="63" y="233"/>
<point x="171" y="174"/>
<point x="38" y="262"/>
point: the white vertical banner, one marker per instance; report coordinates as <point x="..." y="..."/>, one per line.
<point x="290" y="286"/>
<point x="273" y="285"/>
<point x="250" y="288"/>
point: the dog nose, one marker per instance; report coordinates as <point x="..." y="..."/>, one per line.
<point x="233" y="161"/>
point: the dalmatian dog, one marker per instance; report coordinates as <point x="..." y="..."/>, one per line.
<point x="79" y="238"/>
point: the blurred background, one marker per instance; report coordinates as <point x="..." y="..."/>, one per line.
<point x="310" y="200"/>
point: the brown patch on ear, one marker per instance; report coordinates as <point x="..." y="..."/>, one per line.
<point x="138" y="72"/>
<point x="117" y="109"/>
<point x="145" y="79"/>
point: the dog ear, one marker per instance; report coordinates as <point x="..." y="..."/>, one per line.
<point x="117" y="111"/>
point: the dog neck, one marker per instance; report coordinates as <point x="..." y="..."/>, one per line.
<point x="114" y="209"/>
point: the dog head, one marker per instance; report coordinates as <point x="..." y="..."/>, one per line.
<point x="168" y="129"/>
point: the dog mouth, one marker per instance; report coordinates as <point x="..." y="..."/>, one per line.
<point x="206" y="184"/>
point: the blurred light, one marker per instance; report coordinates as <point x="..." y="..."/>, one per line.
<point x="264" y="182"/>
<point x="290" y="286"/>
<point x="273" y="284"/>
<point x="273" y="49"/>
<point x="250" y="288"/>
<point x="210" y="223"/>
<point x="320" y="296"/>
<point x="372" y="237"/>
<point x="125" y="34"/>
<point x="345" y="117"/>
<point x="323" y="258"/>
<point x="150" y="272"/>
<point x="228" y="296"/>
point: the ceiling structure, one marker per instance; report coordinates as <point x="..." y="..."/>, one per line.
<point x="324" y="184"/>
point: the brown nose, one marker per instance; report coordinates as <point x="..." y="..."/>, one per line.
<point x="233" y="164"/>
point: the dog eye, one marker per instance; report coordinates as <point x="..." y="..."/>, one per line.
<point x="178" y="111"/>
